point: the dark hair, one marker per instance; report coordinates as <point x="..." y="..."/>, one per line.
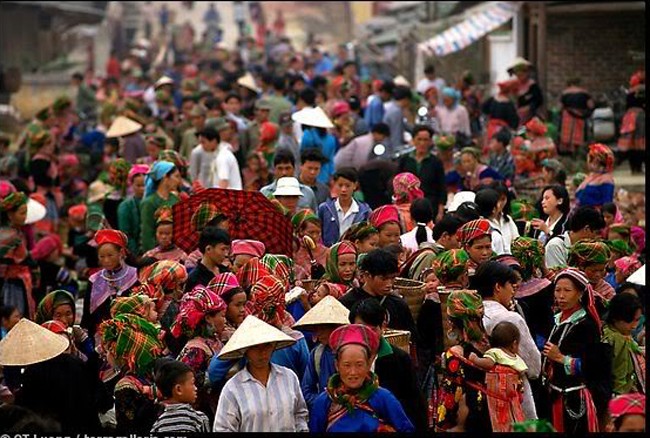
<point x="78" y="76"/>
<point x="561" y="193"/>
<point x="170" y="374"/>
<point x="211" y="236"/>
<point x="387" y="87"/>
<point x="487" y="200"/>
<point x="6" y="311"/>
<point x="370" y="312"/>
<point x="418" y="128"/>
<point x="381" y="128"/>
<point x="468" y="211"/>
<point x="319" y="81"/>
<point x="422" y="213"/>
<point x="448" y="224"/>
<point x="313" y="154"/>
<point x="401" y="92"/>
<point x="586" y="216"/>
<point x="503" y="136"/>
<point x="348" y="173"/>
<point x="17" y="419"/>
<point x="284" y="156"/>
<point x="379" y="262"/>
<point x="224" y="85"/>
<point x="232" y="96"/>
<point x="217" y="220"/>
<point x="622" y="307"/>
<point x="502" y="189"/>
<point x="308" y="95"/>
<point x="488" y="275"/>
<point x="355" y="103"/>
<point x="279" y="83"/>
<point x="188" y="98"/>
<point x="213" y="103"/>
<point x="608" y="207"/>
<point x="429" y="69"/>
<point x="504" y="334"/>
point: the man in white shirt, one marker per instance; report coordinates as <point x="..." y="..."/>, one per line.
<point x="430" y="80"/>
<point x="586" y="223"/>
<point x="225" y="168"/>
<point x="203" y="155"/>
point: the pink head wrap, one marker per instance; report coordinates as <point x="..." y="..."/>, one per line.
<point x="406" y="188"/>
<point x="627" y="265"/>
<point x="46" y="246"/>
<point x="384" y="214"/>
<point x="223" y="283"/>
<point x="137" y="169"/>
<point x="68" y="160"/>
<point x="253" y="248"/>
<point x="638" y="236"/>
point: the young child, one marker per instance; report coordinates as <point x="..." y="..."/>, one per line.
<point x="337" y="215"/>
<point x="9" y="317"/>
<point x="175" y="381"/>
<point x="214" y="244"/>
<point x="500" y="157"/>
<point x="505" y="376"/>
<point x="166" y="249"/>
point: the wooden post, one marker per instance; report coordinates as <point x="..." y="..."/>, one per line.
<point x="541" y="48"/>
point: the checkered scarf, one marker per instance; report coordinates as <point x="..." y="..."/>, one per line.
<point x="13" y="201"/>
<point x="223" y="283"/>
<point x="154" y="292"/>
<point x="173" y="156"/>
<point x="450" y="265"/>
<point x="121" y="169"/>
<point x="303" y="216"/>
<point x="332" y="264"/>
<point x="522" y="210"/>
<point x="588" y="252"/>
<point x="627" y="265"/>
<point x="281" y="267"/>
<point x="530" y="253"/>
<point x="419" y="265"/>
<point x="359" y="231"/>
<point x="133" y="304"/>
<point x="133" y="341"/>
<point x="204" y="214"/>
<point x="473" y="230"/>
<point x="406" y="188"/>
<point x="627" y="404"/>
<point x="251" y="272"/>
<point x="170" y="276"/>
<point x="602" y="154"/>
<point x="194" y="306"/>
<point x="50" y="302"/>
<point x="618" y="246"/>
<point x="267" y="299"/>
<point x="467" y="306"/>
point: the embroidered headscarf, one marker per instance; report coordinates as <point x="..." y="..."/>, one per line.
<point x="588" y="252"/>
<point x="602" y="154"/>
<point x="154" y="292"/>
<point x="46" y="246"/>
<point x="115" y="237"/>
<point x="473" y="230"/>
<point x="164" y="215"/>
<point x="159" y="170"/>
<point x="194" y="306"/>
<point x="167" y="274"/>
<point x="253" y="248"/>
<point x="450" y="265"/>
<point x="536" y="126"/>
<point x="336" y="251"/>
<point x="627" y="404"/>
<point x="174" y="157"/>
<point x="619" y="246"/>
<point x="588" y="301"/>
<point x="530" y="253"/>
<point x="13" y="201"/>
<point x="406" y="188"/>
<point x="383" y="215"/>
<point x="467" y="307"/>
<point x="359" y="231"/>
<point x="50" y="302"/>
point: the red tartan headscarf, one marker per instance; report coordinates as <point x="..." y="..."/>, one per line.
<point x="167" y="274"/>
<point x="384" y="214"/>
<point x="406" y="188"/>
<point x="267" y="299"/>
<point x="627" y="404"/>
<point x="536" y="126"/>
<point x="223" y="283"/>
<point x="46" y="246"/>
<point x="602" y="154"/>
<point x="472" y="230"/>
<point x="194" y="306"/>
<point x="588" y="301"/>
<point x="251" y="272"/>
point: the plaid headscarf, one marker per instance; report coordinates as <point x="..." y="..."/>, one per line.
<point x="173" y="156"/>
<point x="281" y="266"/>
<point x="13" y="201"/>
<point x="223" y="283"/>
<point x="588" y="301"/>
<point x="332" y="264"/>
<point x="522" y="210"/>
<point x="359" y="231"/>
<point x="121" y="167"/>
<point x="50" y="302"/>
<point x="627" y="265"/>
<point x="267" y="299"/>
<point x="154" y="292"/>
<point x="603" y="155"/>
<point x="467" y="306"/>
<point x="133" y="304"/>
<point x="473" y="230"/>
<point x="588" y="252"/>
<point x="450" y="265"/>
<point x="303" y="216"/>
<point x="530" y="253"/>
<point x="406" y="188"/>
<point x="619" y="246"/>
<point x="536" y="126"/>
<point x="167" y="274"/>
<point x="419" y="265"/>
<point x="204" y="214"/>
<point x="133" y="341"/>
<point x="384" y="214"/>
<point x="627" y="404"/>
<point x="622" y="229"/>
<point x="251" y="272"/>
<point x="194" y="306"/>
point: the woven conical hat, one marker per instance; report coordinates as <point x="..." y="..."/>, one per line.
<point x="401" y="81"/>
<point x="519" y="61"/>
<point x="29" y="343"/>
<point x="165" y="80"/>
<point x="312" y="117"/>
<point x="249" y="82"/>
<point x="35" y="211"/>
<point x="122" y="126"/>
<point x="253" y="331"/>
<point x="328" y="311"/>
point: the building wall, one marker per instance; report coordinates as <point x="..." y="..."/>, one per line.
<point x="472" y="58"/>
<point x="595" y="47"/>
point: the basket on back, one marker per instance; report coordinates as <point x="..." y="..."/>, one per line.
<point x="309" y="285"/>
<point x="399" y="338"/>
<point x="413" y="293"/>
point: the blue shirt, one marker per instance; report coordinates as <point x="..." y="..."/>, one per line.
<point x="327" y="145"/>
<point x="314" y="382"/>
<point x="374" y="112"/>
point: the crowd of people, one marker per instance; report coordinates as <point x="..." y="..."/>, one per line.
<point x="465" y="282"/>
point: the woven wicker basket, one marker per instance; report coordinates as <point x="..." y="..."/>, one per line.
<point x="413" y="293"/>
<point x="309" y="285"/>
<point x="399" y="338"/>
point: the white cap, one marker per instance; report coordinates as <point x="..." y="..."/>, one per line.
<point x="287" y="186"/>
<point x="460" y="198"/>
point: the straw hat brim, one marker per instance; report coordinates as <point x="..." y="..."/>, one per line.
<point x="97" y="191"/>
<point x="328" y="311"/>
<point x="35" y="211"/>
<point x="402" y="81"/>
<point x="519" y="61"/>
<point x="165" y="80"/>
<point x="312" y="117"/>
<point x="29" y="343"/>
<point x="247" y="81"/>
<point x="122" y="126"/>
<point x="253" y="331"/>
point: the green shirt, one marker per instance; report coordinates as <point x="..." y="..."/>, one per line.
<point x="147" y="220"/>
<point x="190" y="140"/>
<point x="128" y="220"/>
<point x="623" y="372"/>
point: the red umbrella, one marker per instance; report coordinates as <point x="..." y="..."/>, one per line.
<point x="251" y="216"/>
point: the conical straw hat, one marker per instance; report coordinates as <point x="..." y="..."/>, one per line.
<point x="35" y="211"/>
<point x="249" y="82"/>
<point x="517" y="62"/>
<point x="328" y="311"/>
<point x="253" y="331"/>
<point x="312" y="117"/>
<point x="29" y="343"/>
<point x="401" y="81"/>
<point x="122" y="126"/>
<point x="165" y="80"/>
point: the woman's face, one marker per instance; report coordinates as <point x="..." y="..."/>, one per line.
<point x="346" y="266"/>
<point x="567" y="295"/>
<point x="153" y="150"/>
<point x="468" y="162"/>
<point x="389" y="234"/>
<point x="353" y="364"/>
<point x="504" y="294"/>
<point x="609" y="218"/>
<point x="625" y="328"/>
<point x="164" y="234"/>
<point x="173" y="180"/>
<point x="368" y="244"/>
<point x="448" y="101"/>
<point x="152" y="313"/>
<point x="64" y="314"/>
<point x="138" y="186"/>
<point x="422" y="142"/>
<point x="312" y="230"/>
<point x="217" y="321"/>
<point x="253" y="164"/>
<point x="18" y="217"/>
<point x="480" y="249"/>
<point x="550" y="203"/>
<point x="595" y="272"/>
<point x="239" y="261"/>
<point x="13" y="319"/>
<point x="110" y="256"/>
<point x="235" y="312"/>
<point x="501" y="203"/>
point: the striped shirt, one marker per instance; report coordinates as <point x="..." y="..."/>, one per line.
<point x="246" y="405"/>
<point x="181" y="417"/>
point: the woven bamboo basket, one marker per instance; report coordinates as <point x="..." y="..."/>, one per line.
<point x="413" y="293"/>
<point x="309" y="285"/>
<point x="399" y="338"/>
